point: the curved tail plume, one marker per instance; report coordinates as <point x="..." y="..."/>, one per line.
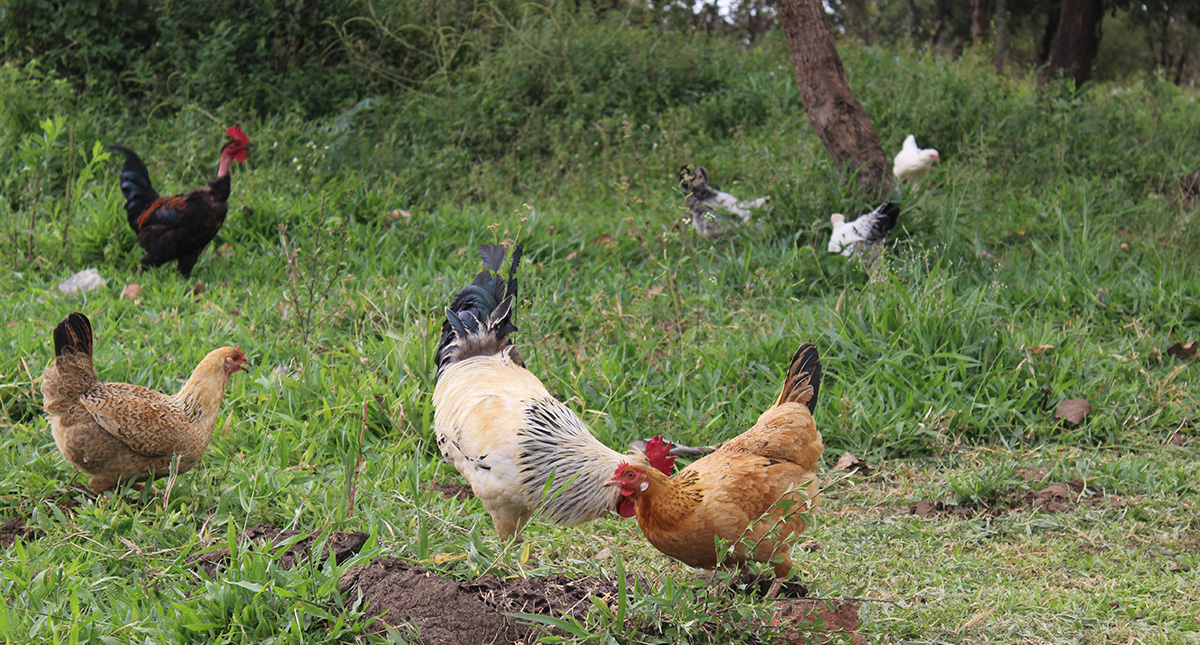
<point x="479" y="319"/>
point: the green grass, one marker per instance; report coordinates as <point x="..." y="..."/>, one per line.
<point x="937" y="370"/>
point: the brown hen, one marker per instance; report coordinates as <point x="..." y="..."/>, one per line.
<point x="753" y="492"/>
<point x="120" y="432"/>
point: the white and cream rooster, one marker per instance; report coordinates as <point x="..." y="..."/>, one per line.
<point x="913" y="162"/>
<point x="502" y="429"/>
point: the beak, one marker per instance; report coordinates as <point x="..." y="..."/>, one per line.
<point x="245" y="366"/>
<point x="612" y="482"/>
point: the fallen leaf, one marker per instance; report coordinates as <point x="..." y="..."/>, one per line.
<point x="1184" y="352"/>
<point x="198" y="289"/>
<point x="132" y="291"/>
<point x="1178" y="439"/>
<point x="1073" y="411"/>
<point x="1037" y="349"/>
<point x="605" y="241"/>
<point x="925" y="509"/>
<point x="654" y="291"/>
<point x="849" y="462"/>
<point x="976" y="619"/>
<point x="572" y="255"/>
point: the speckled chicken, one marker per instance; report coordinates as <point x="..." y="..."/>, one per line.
<point x="501" y="428"/>
<point x="709" y="208"/>
<point x="120" y="432"/>
<point x="753" y="492"/>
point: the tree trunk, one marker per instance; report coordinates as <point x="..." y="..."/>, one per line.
<point x="838" y="118"/>
<point x="1077" y="40"/>
<point x="980" y="20"/>
<point x="1001" y="34"/>
<point x="1048" y="36"/>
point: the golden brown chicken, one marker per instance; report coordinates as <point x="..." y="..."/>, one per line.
<point x="120" y="432"/>
<point x="501" y="428"/>
<point x="752" y="492"/>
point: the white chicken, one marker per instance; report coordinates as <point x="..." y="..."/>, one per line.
<point x="868" y="230"/>
<point x="912" y="162"/>
<point x="501" y="428"/>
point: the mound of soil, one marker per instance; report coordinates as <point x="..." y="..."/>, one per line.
<point x="809" y="621"/>
<point x="341" y="546"/>
<point x="450" y="613"/>
<point x="15" y="529"/>
<point x="551" y="596"/>
<point x="447" y="612"/>
<point x="440" y="610"/>
<point x="1056" y="498"/>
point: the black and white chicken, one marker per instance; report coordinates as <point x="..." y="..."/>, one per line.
<point x="709" y="208"/>
<point x="868" y="230"/>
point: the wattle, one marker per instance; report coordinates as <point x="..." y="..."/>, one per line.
<point x="626" y="507"/>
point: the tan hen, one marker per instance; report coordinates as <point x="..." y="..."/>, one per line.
<point x="120" y="432"/>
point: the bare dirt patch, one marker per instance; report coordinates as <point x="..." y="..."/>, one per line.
<point x="1056" y="498"/>
<point x="809" y="621"/>
<point x="15" y="529"/>
<point x="341" y="546"/>
<point x="446" y="612"/>
<point x="449" y="612"/>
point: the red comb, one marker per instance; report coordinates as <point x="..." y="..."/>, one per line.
<point x="621" y="466"/>
<point x="235" y="133"/>
<point x="658" y="451"/>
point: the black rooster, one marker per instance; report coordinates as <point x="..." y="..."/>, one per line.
<point x="178" y="227"/>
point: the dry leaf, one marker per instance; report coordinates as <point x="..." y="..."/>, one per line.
<point x="198" y="289"/>
<point x="1184" y="352"/>
<point x="132" y="291"/>
<point x="1037" y="349"/>
<point x="925" y="509"/>
<point x="1177" y="439"/>
<point x="605" y="240"/>
<point x="1073" y="411"/>
<point x="572" y="255"/>
<point x="849" y="462"/>
<point x="654" y="291"/>
<point x="976" y="619"/>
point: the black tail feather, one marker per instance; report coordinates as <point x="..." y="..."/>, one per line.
<point x="479" y="319"/>
<point x="803" y="381"/>
<point x="73" y="334"/>
<point x="139" y="193"/>
<point x="892" y="212"/>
